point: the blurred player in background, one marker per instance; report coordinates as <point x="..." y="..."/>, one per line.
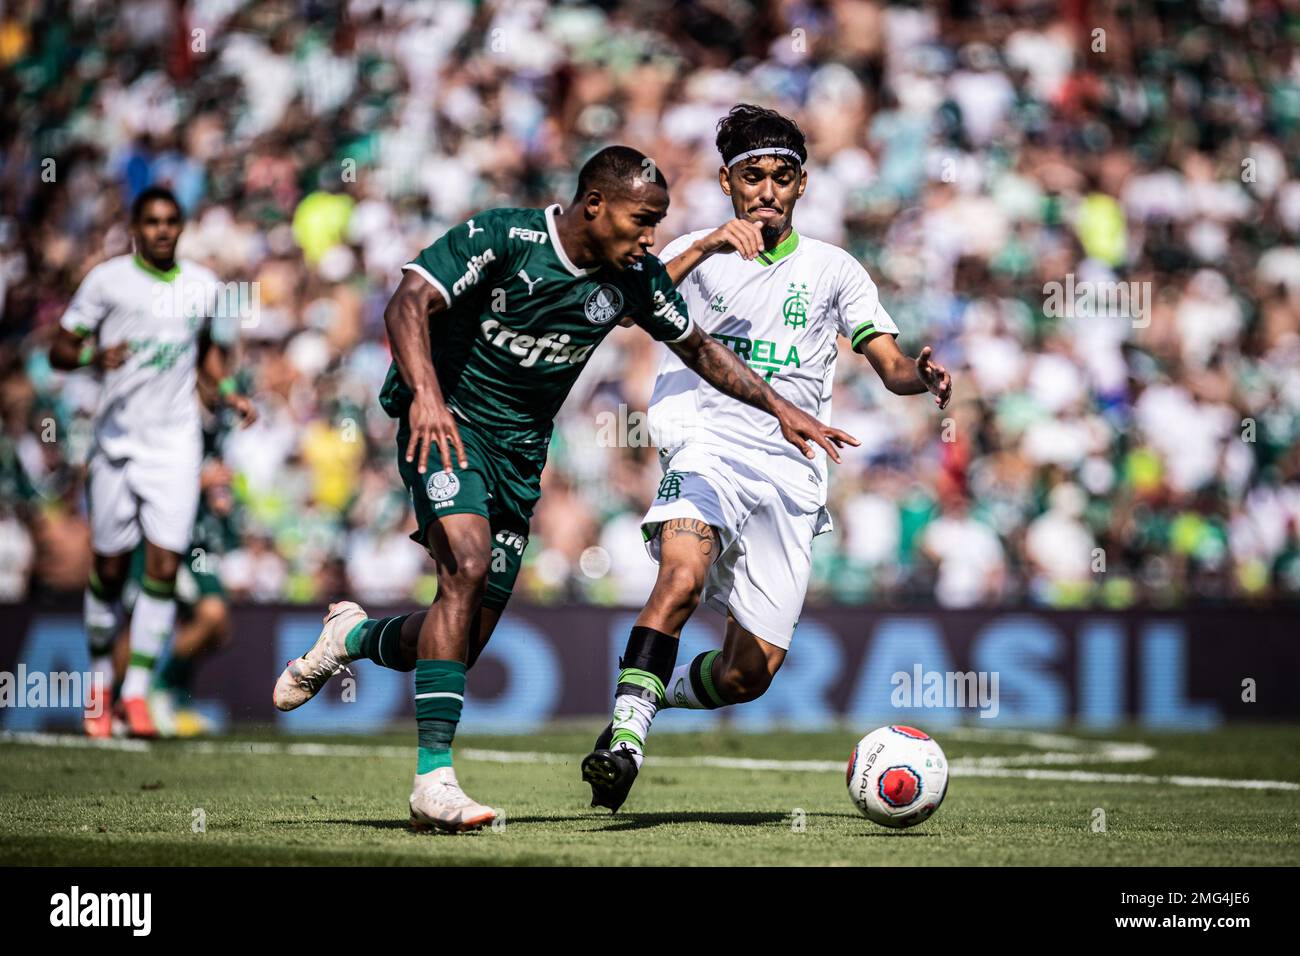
<point x="142" y="321"/>
<point x="737" y="512"/>
<point x="490" y="328"/>
<point x="203" y="607"/>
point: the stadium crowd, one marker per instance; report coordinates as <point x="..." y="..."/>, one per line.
<point x="969" y="153"/>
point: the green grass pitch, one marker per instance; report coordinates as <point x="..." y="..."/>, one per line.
<point x="1014" y="798"/>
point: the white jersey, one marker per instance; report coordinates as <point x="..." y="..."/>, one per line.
<point x="783" y="318"/>
<point x="148" y="408"/>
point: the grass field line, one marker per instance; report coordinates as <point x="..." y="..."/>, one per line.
<point x="999" y="767"/>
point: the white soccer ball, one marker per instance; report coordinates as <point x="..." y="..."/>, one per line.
<point x="897" y="776"/>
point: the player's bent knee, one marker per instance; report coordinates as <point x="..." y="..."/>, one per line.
<point x="466" y="574"/>
<point x="740" y="686"/>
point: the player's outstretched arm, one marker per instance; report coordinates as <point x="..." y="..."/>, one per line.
<point x="430" y="420"/>
<point x="71" y="351"/>
<point x="903" y="375"/>
<point x="721" y="368"/>
<point x="217" y="387"/>
<point x="739" y="235"/>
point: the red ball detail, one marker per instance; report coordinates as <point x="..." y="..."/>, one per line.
<point x="899" y="786"/>
<point x="910" y="732"/>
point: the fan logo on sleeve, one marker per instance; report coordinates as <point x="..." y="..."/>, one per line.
<point x="900" y="786"/>
<point x="603" y="305"/>
<point x="442" y="485"/>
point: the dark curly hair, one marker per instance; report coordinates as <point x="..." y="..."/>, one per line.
<point x="149" y="195"/>
<point x="749" y="127"/>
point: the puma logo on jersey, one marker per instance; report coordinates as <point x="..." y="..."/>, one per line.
<point x="529" y="282"/>
<point x="549" y="348"/>
<point x="473" y="270"/>
<point x="527" y="235"/>
<point x="473" y="229"/>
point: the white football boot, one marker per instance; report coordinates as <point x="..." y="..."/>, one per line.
<point x="302" y="678"/>
<point x="438" y="803"/>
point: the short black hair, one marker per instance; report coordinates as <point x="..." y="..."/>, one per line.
<point x="749" y="127"/>
<point x="611" y="169"/>
<point x="148" y="195"/>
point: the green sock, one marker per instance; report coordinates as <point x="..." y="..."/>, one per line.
<point x="378" y="640"/>
<point x="177" y="675"/>
<point x="439" y="696"/>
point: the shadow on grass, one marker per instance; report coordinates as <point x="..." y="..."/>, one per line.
<point x="645" y="821"/>
<point x="617" y="823"/>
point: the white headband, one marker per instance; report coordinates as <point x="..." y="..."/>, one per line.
<point x="765" y="151"/>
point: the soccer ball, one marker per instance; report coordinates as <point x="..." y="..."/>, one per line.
<point x="897" y="776"/>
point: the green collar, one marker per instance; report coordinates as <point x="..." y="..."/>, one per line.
<point x="167" y="276"/>
<point x="783" y="249"/>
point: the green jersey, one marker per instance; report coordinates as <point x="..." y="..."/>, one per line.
<point x="523" y="319"/>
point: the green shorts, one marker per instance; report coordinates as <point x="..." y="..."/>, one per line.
<point x="502" y="483"/>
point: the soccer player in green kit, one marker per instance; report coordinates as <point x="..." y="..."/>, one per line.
<point x="490" y="328"/>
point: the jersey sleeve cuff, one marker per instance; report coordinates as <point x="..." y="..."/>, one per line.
<point x="690" y="327"/>
<point x="74" y="324"/>
<point x="865" y="330"/>
<point x="427" y="276"/>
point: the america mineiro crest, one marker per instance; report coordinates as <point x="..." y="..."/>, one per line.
<point x="670" y="488"/>
<point x="795" y="308"/>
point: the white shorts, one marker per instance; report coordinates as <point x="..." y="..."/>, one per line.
<point x="761" y="573"/>
<point x="157" y="499"/>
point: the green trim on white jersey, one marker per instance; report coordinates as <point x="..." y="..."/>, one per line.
<point x="782" y="249"/>
<point x="158" y="274"/>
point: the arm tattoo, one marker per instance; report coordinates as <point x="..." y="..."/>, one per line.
<point x="723" y="369"/>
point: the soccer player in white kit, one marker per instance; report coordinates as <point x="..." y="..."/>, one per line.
<point x="139" y="321"/>
<point x="738" y="508"/>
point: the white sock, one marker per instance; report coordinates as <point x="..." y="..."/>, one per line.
<point x="632" y="717"/>
<point x="152" y="621"/>
<point x="103" y="621"/>
<point x="679" y="692"/>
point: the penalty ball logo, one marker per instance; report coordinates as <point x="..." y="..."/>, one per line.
<point x="603" y="305"/>
<point x="442" y="485"/>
